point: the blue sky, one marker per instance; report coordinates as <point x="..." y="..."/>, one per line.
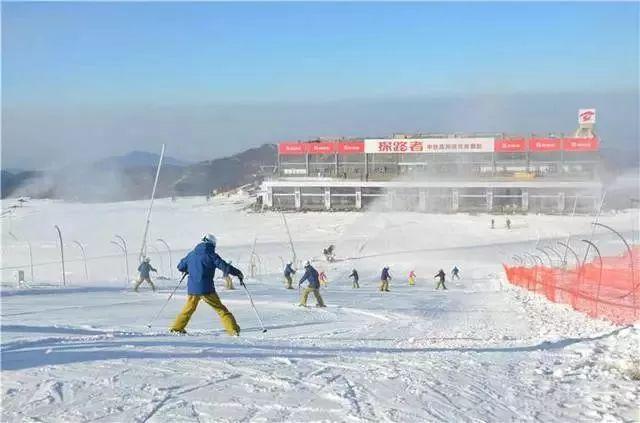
<point x="139" y="56"/>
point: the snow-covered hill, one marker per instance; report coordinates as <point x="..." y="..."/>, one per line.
<point x="481" y="351"/>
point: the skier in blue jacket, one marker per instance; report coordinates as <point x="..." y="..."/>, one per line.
<point x="288" y="272"/>
<point x="201" y="264"/>
<point x="311" y="276"/>
<point x="145" y="270"/>
<point x="385" y="277"/>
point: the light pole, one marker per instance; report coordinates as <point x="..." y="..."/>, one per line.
<point x="84" y="258"/>
<point x="163" y="242"/>
<point x="64" y="277"/>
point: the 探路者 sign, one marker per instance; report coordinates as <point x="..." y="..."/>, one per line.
<point x="429" y="145"/>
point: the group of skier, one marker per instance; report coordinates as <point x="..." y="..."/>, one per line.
<point x="201" y="263"/>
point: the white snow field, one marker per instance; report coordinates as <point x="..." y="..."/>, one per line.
<point x="482" y="351"/>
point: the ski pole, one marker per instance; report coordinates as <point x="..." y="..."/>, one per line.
<point x="254" y="307"/>
<point x="167" y="302"/>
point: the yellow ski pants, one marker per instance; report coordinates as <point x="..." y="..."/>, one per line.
<point x="228" y="321"/>
<point x="305" y="296"/>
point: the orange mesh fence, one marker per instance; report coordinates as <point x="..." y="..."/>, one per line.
<point x="610" y="291"/>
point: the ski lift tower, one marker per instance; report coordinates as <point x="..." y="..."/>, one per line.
<point x="586" y="122"/>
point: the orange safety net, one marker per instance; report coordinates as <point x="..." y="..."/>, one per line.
<point x="610" y="291"/>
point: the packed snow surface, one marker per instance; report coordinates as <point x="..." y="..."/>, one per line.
<point x="480" y="351"/>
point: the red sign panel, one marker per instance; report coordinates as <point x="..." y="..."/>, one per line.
<point x="545" y="144"/>
<point x="351" y="147"/>
<point x="291" y="148"/>
<point x="580" y="144"/>
<point x="321" y="147"/>
<point x="511" y="146"/>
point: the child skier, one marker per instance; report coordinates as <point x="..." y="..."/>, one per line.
<point x="356" y="278"/>
<point x="145" y="268"/>
<point x="323" y="279"/>
<point x="412" y="278"/>
<point x="385" y="277"/>
<point x="288" y="272"/>
<point x="312" y="277"/>
<point x="201" y="264"/>
<point x="441" y="275"/>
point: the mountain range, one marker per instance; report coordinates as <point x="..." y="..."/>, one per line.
<point x="130" y="177"/>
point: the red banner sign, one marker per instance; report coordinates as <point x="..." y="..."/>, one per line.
<point x="351" y="147"/>
<point x="291" y="148"/>
<point x="545" y="144"/>
<point x="321" y="147"/>
<point x="516" y="145"/>
<point x="580" y="144"/>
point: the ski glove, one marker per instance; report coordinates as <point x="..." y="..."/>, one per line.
<point x="241" y="279"/>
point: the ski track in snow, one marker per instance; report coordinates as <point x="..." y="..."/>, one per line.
<point x="481" y="351"/>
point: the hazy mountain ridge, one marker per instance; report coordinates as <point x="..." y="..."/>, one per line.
<point x="130" y="177"/>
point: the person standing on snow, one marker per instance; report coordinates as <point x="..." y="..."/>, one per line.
<point x="356" y="278"/>
<point x="288" y="272"/>
<point x="493" y="223"/>
<point x="311" y="276"/>
<point x="228" y="282"/>
<point x="323" y="279"/>
<point x="145" y="269"/>
<point x="385" y="277"/>
<point x="508" y="223"/>
<point x="455" y="273"/>
<point x="412" y="278"/>
<point x="441" y="277"/>
<point x="201" y="264"/>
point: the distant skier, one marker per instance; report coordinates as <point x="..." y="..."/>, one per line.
<point x="145" y="269"/>
<point x="441" y="279"/>
<point x="455" y="273"/>
<point x="313" y="280"/>
<point x="201" y="264"/>
<point x="385" y="277"/>
<point x="508" y="223"/>
<point x="228" y="282"/>
<point x="288" y="272"/>
<point x="493" y="223"/>
<point x="323" y="279"/>
<point x="356" y="278"/>
<point x="329" y="253"/>
<point x="412" y="278"/>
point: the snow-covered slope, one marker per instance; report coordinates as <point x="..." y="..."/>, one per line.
<point x="481" y="351"/>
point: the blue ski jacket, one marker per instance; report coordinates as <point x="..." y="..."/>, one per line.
<point x="311" y="276"/>
<point x="385" y="274"/>
<point x="288" y="271"/>
<point x="201" y="264"/>
<point x="145" y="268"/>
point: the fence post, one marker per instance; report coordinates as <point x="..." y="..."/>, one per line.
<point x="64" y="277"/>
<point x="546" y="254"/>
<point x="630" y="251"/>
<point x="155" y="249"/>
<point x="124" y="251"/>
<point x="30" y="253"/>
<point x="84" y="258"/>
<point x="600" y="277"/>
<point x="169" y="250"/>
<point x="126" y="255"/>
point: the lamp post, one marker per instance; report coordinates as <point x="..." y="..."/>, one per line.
<point x="64" y="277"/>
<point x="163" y="242"/>
<point x="84" y="258"/>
